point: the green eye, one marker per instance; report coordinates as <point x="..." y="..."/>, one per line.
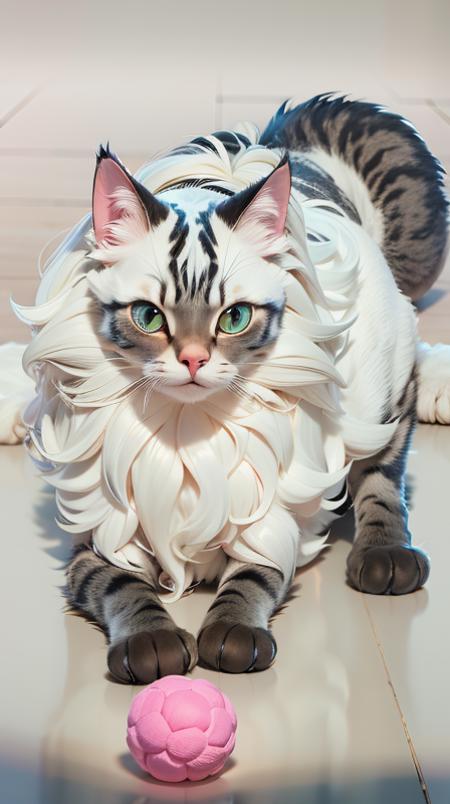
<point x="147" y="317"/>
<point x="235" y="319"/>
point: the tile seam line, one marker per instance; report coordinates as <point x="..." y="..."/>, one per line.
<point x="436" y="108"/>
<point x="412" y="750"/>
<point x="222" y="98"/>
<point x="64" y="153"/>
<point x="18" y="106"/>
<point x="33" y="201"/>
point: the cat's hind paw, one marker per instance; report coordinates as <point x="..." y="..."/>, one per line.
<point x="433" y="400"/>
<point x="388" y="569"/>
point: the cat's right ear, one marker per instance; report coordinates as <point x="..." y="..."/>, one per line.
<point x="123" y="210"/>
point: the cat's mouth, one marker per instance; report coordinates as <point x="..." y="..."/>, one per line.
<point x="194" y="382"/>
<point x="190" y="392"/>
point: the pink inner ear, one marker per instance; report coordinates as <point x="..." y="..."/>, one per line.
<point x="109" y="179"/>
<point x="269" y="206"/>
<point x="280" y="189"/>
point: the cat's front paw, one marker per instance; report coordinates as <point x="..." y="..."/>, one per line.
<point x="235" y="648"/>
<point x="142" y="658"/>
<point x="391" y="569"/>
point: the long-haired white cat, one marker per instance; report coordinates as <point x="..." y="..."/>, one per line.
<point x="225" y="359"/>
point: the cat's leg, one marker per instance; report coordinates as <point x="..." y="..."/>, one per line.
<point x="144" y="642"/>
<point x="383" y="560"/>
<point x="235" y="636"/>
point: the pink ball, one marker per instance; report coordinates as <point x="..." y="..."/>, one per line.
<point x="181" y="728"/>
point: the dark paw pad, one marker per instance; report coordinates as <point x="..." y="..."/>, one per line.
<point x="235" y="648"/>
<point x="388" y="569"/>
<point x="142" y="658"/>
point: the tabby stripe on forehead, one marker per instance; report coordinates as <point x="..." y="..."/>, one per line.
<point x="204" y="219"/>
<point x="184" y="275"/>
<point x="173" y="268"/>
<point x="178" y="237"/>
<point x="212" y="271"/>
<point x="193" y="286"/>
<point x="179" y="234"/>
<point x="207" y="240"/>
<point x="206" y="244"/>
<point x="201" y="280"/>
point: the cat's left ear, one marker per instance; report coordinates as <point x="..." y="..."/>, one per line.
<point x="123" y="210"/>
<point x="259" y="212"/>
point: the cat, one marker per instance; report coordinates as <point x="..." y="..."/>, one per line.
<point x="226" y="359"/>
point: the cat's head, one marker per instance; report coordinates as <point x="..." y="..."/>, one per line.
<point x="188" y="283"/>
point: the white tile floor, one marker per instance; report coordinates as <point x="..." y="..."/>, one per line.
<point x="356" y="708"/>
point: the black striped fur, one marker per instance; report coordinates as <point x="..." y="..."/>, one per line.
<point x="383" y="559"/>
<point x="405" y="182"/>
<point x="144" y="641"/>
<point x="235" y="635"/>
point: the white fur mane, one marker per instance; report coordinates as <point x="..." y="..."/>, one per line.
<point x="143" y="472"/>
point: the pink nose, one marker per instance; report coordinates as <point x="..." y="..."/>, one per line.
<point x="194" y="357"/>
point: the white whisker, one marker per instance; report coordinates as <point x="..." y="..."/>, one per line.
<point x="237" y="387"/>
<point x="135" y="386"/>
<point x="153" y="382"/>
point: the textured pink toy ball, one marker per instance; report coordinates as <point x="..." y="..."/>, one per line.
<point x="181" y="728"/>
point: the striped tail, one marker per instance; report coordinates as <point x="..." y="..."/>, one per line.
<point x="383" y="165"/>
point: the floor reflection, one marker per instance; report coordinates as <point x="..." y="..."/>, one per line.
<point x="24" y="785"/>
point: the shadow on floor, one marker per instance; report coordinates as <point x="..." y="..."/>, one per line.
<point x="22" y="785"/>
